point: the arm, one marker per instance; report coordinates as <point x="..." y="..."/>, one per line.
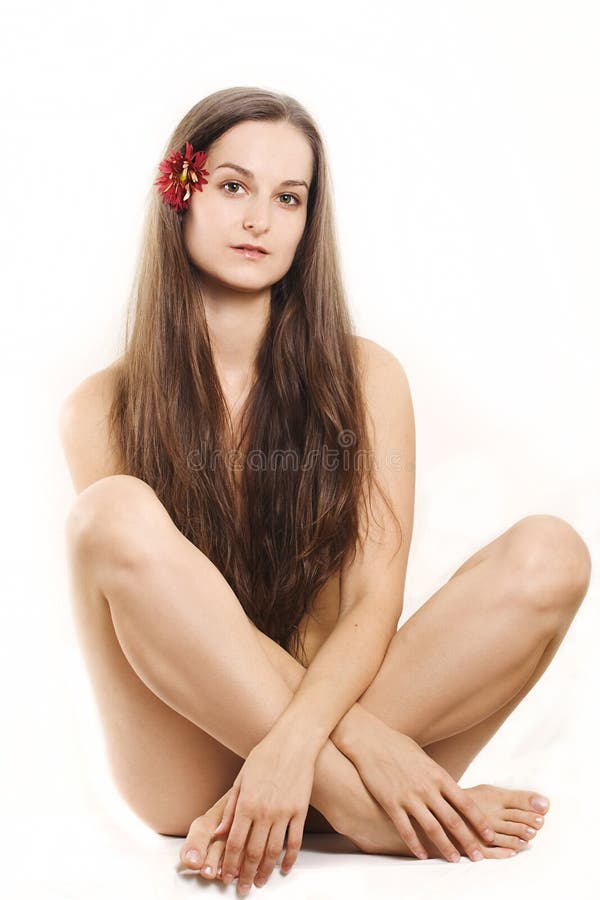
<point x="372" y="587"/>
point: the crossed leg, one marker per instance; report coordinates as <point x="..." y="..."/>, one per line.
<point x="540" y="569"/>
<point x="149" y="606"/>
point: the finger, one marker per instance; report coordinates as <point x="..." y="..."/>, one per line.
<point x="294" y="842"/>
<point x="406" y="831"/>
<point x="465" y="804"/>
<point x="236" y="841"/>
<point x="253" y="854"/>
<point x="228" y="812"/>
<point x="435" y="832"/>
<point x="274" y="848"/>
<point x="456" y="825"/>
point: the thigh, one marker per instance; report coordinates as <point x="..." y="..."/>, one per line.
<point x="167" y="769"/>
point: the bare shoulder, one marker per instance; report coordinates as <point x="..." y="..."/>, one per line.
<point x="383" y="375"/>
<point x="83" y="428"/>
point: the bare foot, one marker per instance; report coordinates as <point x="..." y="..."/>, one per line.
<point x="509" y="813"/>
<point x="200" y="840"/>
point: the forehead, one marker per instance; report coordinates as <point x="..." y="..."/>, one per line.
<point x="268" y="149"/>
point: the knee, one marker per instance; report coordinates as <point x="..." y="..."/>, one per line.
<point x="111" y="517"/>
<point x="550" y="560"/>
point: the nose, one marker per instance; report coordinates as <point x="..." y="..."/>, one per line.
<point x="257" y="216"/>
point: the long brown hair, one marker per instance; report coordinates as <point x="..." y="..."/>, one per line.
<point x="296" y="524"/>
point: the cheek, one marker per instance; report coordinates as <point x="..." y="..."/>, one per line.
<point x="205" y="230"/>
<point x="297" y="236"/>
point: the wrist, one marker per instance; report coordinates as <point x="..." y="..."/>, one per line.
<point x="305" y="737"/>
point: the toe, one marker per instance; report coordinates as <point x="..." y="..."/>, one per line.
<point x="525" y="832"/>
<point x="539" y="803"/>
<point x="191" y="856"/>
<point x="208" y="871"/>
<point x="195" y="847"/>
<point x="497" y="852"/>
<point x="214" y="859"/>
<point x="533" y="820"/>
<point x="209" y="868"/>
<point x="511" y="841"/>
<point x="529" y="801"/>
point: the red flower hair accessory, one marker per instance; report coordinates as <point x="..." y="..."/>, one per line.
<point x="182" y="174"/>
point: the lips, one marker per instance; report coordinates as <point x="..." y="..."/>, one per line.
<point x="256" y="247"/>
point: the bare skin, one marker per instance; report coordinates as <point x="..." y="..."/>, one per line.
<point x="510" y="813"/>
<point x="169" y="650"/>
<point x="168" y="646"/>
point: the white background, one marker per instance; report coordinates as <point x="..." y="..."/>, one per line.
<point x="463" y="140"/>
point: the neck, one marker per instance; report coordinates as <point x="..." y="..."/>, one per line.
<point x="236" y="323"/>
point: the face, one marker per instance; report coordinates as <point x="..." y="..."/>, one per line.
<point x="251" y="207"/>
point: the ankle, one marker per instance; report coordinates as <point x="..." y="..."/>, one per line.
<point x="338" y="791"/>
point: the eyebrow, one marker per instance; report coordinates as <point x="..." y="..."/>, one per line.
<point x="248" y="174"/>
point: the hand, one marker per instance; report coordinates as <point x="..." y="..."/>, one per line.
<point x="407" y="782"/>
<point x="271" y="792"/>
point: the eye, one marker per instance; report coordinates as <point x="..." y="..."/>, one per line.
<point x="293" y="196"/>
<point x="231" y="182"/>
<point x="237" y="184"/>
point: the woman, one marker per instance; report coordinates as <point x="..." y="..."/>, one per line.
<point x="234" y="593"/>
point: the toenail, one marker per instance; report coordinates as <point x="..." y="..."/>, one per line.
<point x="192" y="856"/>
<point x="489" y="834"/>
<point x="477" y="854"/>
<point x="538" y="820"/>
<point x="207" y="870"/>
<point x="522" y="842"/>
<point x="530" y="831"/>
<point x="539" y="803"/>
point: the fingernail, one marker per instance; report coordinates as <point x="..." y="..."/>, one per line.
<point x="539" y="803"/>
<point x="192" y="856"/>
